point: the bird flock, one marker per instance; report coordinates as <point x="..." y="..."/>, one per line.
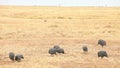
<point x="56" y="49"/>
<point x="16" y="57"/>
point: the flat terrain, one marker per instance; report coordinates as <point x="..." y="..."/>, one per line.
<point x="33" y="30"/>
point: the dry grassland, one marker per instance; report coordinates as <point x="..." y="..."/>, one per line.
<point x="33" y="30"/>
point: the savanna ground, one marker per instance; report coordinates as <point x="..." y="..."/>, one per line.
<point x="33" y="30"/>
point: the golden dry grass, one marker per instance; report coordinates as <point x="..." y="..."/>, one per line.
<point x="33" y="30"/>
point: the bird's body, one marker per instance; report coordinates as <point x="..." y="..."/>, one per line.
<point x="102" y="54"/>
<point x="11" y="56"/>
<point x="60" y="50"/>
<point x="102" y="42"/>
<point x="52" y="51"/>
<point x="85" y="49"/>
<point x="18" y="57"/>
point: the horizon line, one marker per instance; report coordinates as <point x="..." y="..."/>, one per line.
<point x="59" y="5"/>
